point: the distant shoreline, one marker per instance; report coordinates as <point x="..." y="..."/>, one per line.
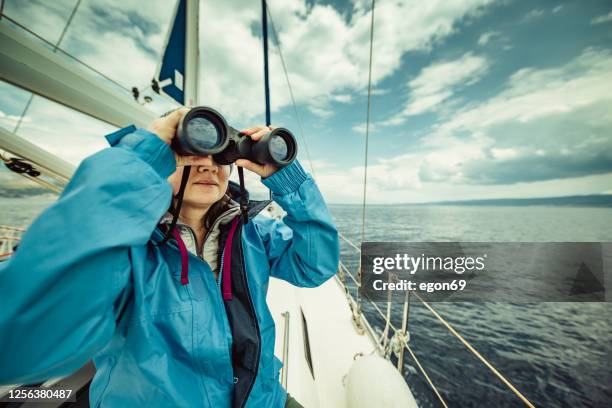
<point x="593" y="200"/>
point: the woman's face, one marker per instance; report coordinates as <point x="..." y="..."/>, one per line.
<point x="207" y="182"/>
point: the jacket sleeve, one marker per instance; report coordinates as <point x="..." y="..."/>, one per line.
<point x="303" y="248"/>
<point x="60" y="290"/>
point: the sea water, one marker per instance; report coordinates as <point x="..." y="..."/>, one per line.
<point x="557" y="354"/>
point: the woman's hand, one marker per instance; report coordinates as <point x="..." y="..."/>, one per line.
<point x="165" y="128"/>
<point x="264" y="170"/>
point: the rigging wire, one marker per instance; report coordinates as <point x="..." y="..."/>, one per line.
<point x="365" y="170"/>
<point x="365" y="167"/>
<point x="475" y="352"/>
<point x="74" y="10"/>
<point x="299" y="121"/>
<point x="23" y="113"/>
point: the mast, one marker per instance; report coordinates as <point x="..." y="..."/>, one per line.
<point x="192" y="52"/>
<point x="264" y="29"/>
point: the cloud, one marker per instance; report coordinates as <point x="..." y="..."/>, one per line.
<point x="120" y="39"/>
<point x="13" y="100"/>
<point x="532" y="93"/>
<point x="534" y="167"/>
<point x="46" y="19"/>
<point x="488" y="36"/>
<point x="534" y="14"/>
<point x="361" y="128"/>
<point x="545" y="133"/>
<point x="546" y="124"/>
<point x="605" y="18"/>
<point x="557" y="9"/>
<point x="321" y="106"/>
<point x="344" y="98"/>
<point x="326" y="53"/>
<point x="437" y="83"/>
<point x="399" y="180"/>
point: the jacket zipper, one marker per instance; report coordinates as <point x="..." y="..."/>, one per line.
<point x="220" y="267"/>
<point x="219" y="301"/>
<point x="252" y="307"/>
<point x="220" y="273"/>
<point x="199" y="250"/>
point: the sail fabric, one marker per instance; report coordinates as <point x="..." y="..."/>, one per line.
<point x="173" y="60"/>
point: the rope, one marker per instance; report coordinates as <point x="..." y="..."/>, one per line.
<point x="431" y="384"/>
<point x="476" y="353"/>
<point x="345" y="269"/>
<point x="349" y="242"/>
<point x="384" y="338"/>
<point x="299" y="121"/>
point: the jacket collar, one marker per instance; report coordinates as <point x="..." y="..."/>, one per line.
<point x="187" y="234"/>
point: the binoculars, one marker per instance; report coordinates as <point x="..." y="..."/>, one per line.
<point x="203" y="131"/>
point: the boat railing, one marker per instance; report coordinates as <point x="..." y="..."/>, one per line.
<point x="9" y="239"/>
<point x="395" y="340"/>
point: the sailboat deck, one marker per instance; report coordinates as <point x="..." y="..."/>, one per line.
<point x="333" y="341"/>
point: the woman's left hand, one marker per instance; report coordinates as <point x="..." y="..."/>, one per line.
<point x="264" y="170"/>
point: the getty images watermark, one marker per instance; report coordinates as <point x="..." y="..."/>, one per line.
<point x="485" y="271"/>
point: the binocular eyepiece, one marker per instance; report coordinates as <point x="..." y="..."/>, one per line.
<point x="203" y="131"/>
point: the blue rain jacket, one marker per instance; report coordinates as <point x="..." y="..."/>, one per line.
<point x="88" y="282"/>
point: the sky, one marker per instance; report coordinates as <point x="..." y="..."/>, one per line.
<point x="470" y="98"/>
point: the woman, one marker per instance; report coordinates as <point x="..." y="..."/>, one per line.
<point x="92" y="278"/>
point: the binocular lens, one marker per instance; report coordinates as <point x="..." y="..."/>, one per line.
<point x="204" y="134"/>
<point x="203" y="131"/>
<point x="278" y="148"/>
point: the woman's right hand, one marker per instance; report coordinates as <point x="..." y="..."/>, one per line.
<point x="165" y="128"/>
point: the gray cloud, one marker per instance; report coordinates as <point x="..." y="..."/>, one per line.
<point x="561" y="146"/>
<point x="129" y="23"/>
<point x="548" y="124"/>
<point x="534" y="167"/>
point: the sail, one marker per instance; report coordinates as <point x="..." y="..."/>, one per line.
<point x="176" y="76"/>
<point x="171" y="71"/>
